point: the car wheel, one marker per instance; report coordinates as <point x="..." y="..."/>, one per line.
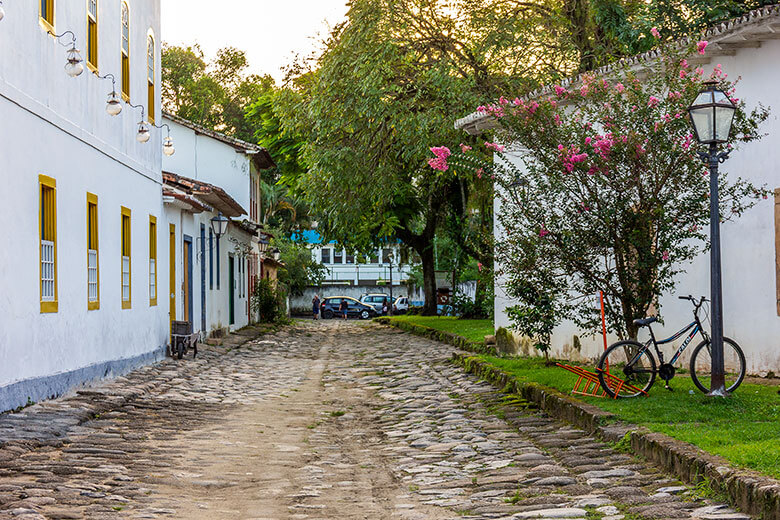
<point x="328" y="314"/>
<point x="364" y="315"/>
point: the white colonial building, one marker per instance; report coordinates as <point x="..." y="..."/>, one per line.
<point x="748" y="47"/>
<point x="83" y="194"/>
<point x="92" y="269"/>
<point x="212" y="174"/>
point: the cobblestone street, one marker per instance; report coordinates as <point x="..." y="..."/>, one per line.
<point x="321" y="420"/>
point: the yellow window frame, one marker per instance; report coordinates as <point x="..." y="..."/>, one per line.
<point x="126" y="252"/>
<point x="153" y="256"/>
<point x="46" y="19"/>
<point x="94" y="244"/>
<point x="172" y="270"/>
<point x="150" y="76"/>
<point x="48" y="229"/>
<point x="125" y="54"/>
<point x="92" y="37"/>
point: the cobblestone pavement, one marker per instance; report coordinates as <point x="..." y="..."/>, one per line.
<point x="322" y="420"/>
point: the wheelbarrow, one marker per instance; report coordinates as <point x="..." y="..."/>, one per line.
<point x="182" y="339"/>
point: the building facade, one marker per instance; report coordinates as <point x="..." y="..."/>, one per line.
<point x="77" y="271"/>
<point x="750" y="245"/>
<point x="212" y="277"/>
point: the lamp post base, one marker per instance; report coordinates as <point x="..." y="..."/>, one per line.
<point x="719" y="392"/>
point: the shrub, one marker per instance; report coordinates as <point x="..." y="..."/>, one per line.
<point x="268" y="302"/>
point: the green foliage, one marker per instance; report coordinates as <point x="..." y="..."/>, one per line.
<point x="213" y="94"/>
<point x="268" y="301"/>
<point x="300" y="270"/>
<point x="472" y="330"/>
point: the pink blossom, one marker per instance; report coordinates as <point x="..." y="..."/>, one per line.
<point x="584" y="90"/>
<point x="701" y="46"/>
<point x="532" y="107"/>
<point x="482" y="109"/>
<point x="518" y="102"/>
<point x="494" y="146"/>
<point x="438" y="163"/>
<point x="557" y="120"/>
<point x="683" y="74"/>
<point x="653" y="101"/>
<point x="687" y="142"/>
<point x="587" y="141"/>
<point x="665" y="256"/>
<point x="543" y="232"/>
<point x="479" y="266"/>
<point x="442" y="152"/>
<point x="561" y="147"/>
<point x="464" y="148"/>
<point x="560" y="91"/>
<point x="620" y="88"/>
<point x="684" y="64"/>
<point x="654" y="32"/>
<point x="479" y="172"/>
<point x="503" y="101"/>
<point x="592" y="170"/>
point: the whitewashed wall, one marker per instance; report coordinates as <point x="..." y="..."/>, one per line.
<point x="55" y="125"/>
<point x="748" y="245"/>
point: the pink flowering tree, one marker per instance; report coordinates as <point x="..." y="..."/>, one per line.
<point x="608" y="194"/>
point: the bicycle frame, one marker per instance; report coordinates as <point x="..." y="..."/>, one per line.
<point x="694" y="326"/>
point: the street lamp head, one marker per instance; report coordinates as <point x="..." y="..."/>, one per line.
<point x="712" y="113"/>
<point x="74" y="66"/>
<point x="2" y="11"/>
<point x="143" y="134"/>
<point x="113" y="105"/>
<point x="263" y="245"/>
<point x="277" y="254"/>
<point x="168" y="148"/>
<point x="219" y="225"/>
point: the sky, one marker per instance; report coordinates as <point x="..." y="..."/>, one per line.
<point x="269" y="31"/>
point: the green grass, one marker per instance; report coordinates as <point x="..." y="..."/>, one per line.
<point x="473" y="330"/>
<point x="745" y="429"/>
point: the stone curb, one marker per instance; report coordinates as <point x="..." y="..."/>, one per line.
<point x="750" y="491"/>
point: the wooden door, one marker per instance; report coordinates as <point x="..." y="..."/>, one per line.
<point x="187" y="278"/>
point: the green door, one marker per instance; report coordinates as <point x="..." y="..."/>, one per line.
<point x="232" y="289"/>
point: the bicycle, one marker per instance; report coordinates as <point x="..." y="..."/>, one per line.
<point x="634" y="362"/>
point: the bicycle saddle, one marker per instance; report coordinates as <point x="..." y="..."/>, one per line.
<point x="645" y="321"/>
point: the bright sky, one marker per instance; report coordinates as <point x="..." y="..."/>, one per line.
<point x="269" y="31"/>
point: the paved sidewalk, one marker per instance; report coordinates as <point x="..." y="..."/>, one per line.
<point x="323" y="420"/>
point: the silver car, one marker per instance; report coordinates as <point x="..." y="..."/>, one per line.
<point x="376" y="300"/>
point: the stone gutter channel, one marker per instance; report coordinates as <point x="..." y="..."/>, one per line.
<point x="750" y="491"/>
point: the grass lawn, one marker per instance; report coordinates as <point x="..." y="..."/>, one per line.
<point x="473" y="330"/>
<point x="744" y="429"/>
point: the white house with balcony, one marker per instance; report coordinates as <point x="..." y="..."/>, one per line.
<point x="80" y="269"/>
<point x="746" y="48"/>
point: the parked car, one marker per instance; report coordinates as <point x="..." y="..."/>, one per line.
<point x="329" y="308"/>
<point x="375" y="300"/>
<point x="401" y="305"/>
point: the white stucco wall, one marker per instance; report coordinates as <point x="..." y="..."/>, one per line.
<point x="355" y="272"/>
<point x="55" y="125"/>
<point x="748" y="244"/>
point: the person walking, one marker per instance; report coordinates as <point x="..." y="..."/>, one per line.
<point x="343" y="306"/>
<point x="385" y="307"/>
<point x="315" y="307"/>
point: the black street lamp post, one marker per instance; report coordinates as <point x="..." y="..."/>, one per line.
<point x="712" y="113"/>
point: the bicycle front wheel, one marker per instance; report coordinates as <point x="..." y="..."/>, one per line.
<point x="622" y="360"/>
<point x="733" y="364"/>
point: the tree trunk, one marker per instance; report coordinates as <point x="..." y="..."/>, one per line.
<point x="429" y="281"/>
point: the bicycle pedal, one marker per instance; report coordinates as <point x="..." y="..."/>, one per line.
<point x="669" y="388"/>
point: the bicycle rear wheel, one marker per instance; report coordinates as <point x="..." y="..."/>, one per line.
<point x="733" y="363"/>
<point x="621" y="361"/>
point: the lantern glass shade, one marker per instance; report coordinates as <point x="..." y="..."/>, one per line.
<point x="74" y="66"/>
<point x="712" y="114"/>
<point x="263" y="245"/>
<point x="113" y="106"/>
<point x="168" y="148"/>
<point x="143" y="132"/>
<point x="277" y="254"/>
<point x="219" y="225"/>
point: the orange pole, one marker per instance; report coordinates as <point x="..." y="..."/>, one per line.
<point x="604" y="325"/>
